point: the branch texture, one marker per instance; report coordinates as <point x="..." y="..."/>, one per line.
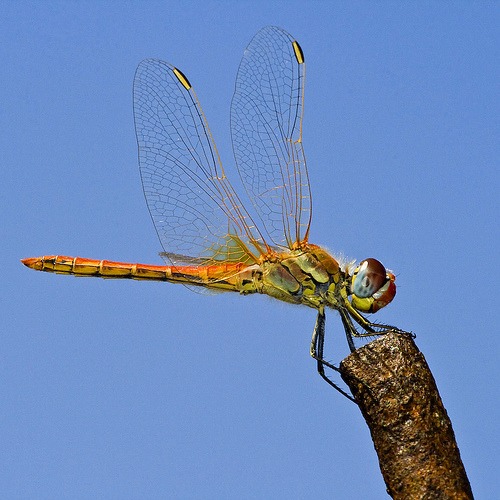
<point x="412" y="433"/>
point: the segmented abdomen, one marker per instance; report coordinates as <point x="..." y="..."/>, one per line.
<point x="224" y="276"/>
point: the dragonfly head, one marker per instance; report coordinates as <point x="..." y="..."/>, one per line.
<point x="372" y="286"/>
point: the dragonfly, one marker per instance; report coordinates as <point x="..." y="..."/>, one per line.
<point x="210" y="239"/>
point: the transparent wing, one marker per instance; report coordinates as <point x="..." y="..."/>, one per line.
<point x="196" y="212"/>
<point x="266" y="127"/>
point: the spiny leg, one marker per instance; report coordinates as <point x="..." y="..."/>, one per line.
<point x="370" y="329"/>
<point x="317" y="345"/>
<point x="349" y="329"/>
<point x="351" y="332"/>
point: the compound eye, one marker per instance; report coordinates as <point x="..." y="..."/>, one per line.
<point x="368" y="278"/>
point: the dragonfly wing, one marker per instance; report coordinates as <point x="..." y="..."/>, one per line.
<point x="266" y="127"/>
<point x="195" y="210"/>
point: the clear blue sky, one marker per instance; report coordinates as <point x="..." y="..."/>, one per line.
<point x="146" y="390"/>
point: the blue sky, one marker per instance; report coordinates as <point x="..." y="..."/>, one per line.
<point x="123" y="389"/>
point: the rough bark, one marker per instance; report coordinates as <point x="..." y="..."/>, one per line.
<point x="412" y="433"/>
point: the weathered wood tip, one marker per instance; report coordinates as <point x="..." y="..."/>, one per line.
<point x="411" y="431"/>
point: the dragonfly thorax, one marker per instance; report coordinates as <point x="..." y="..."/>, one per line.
<point x="308" y="276"/>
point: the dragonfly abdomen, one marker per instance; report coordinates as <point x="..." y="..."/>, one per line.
<point x="222" y="277"/>
<point x="79" y="266"/>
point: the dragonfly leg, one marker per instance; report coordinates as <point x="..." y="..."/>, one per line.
<point x="317" y="345"/>
<point x="370" y="329"/>
<point x="349" y="328"/>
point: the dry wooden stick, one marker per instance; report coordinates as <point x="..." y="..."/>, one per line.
<point x="412" y="433"/>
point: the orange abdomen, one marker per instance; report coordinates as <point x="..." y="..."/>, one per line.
<point x="223" y="276"/>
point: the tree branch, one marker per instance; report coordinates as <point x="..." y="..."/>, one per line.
<point x="412" y="433"/>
